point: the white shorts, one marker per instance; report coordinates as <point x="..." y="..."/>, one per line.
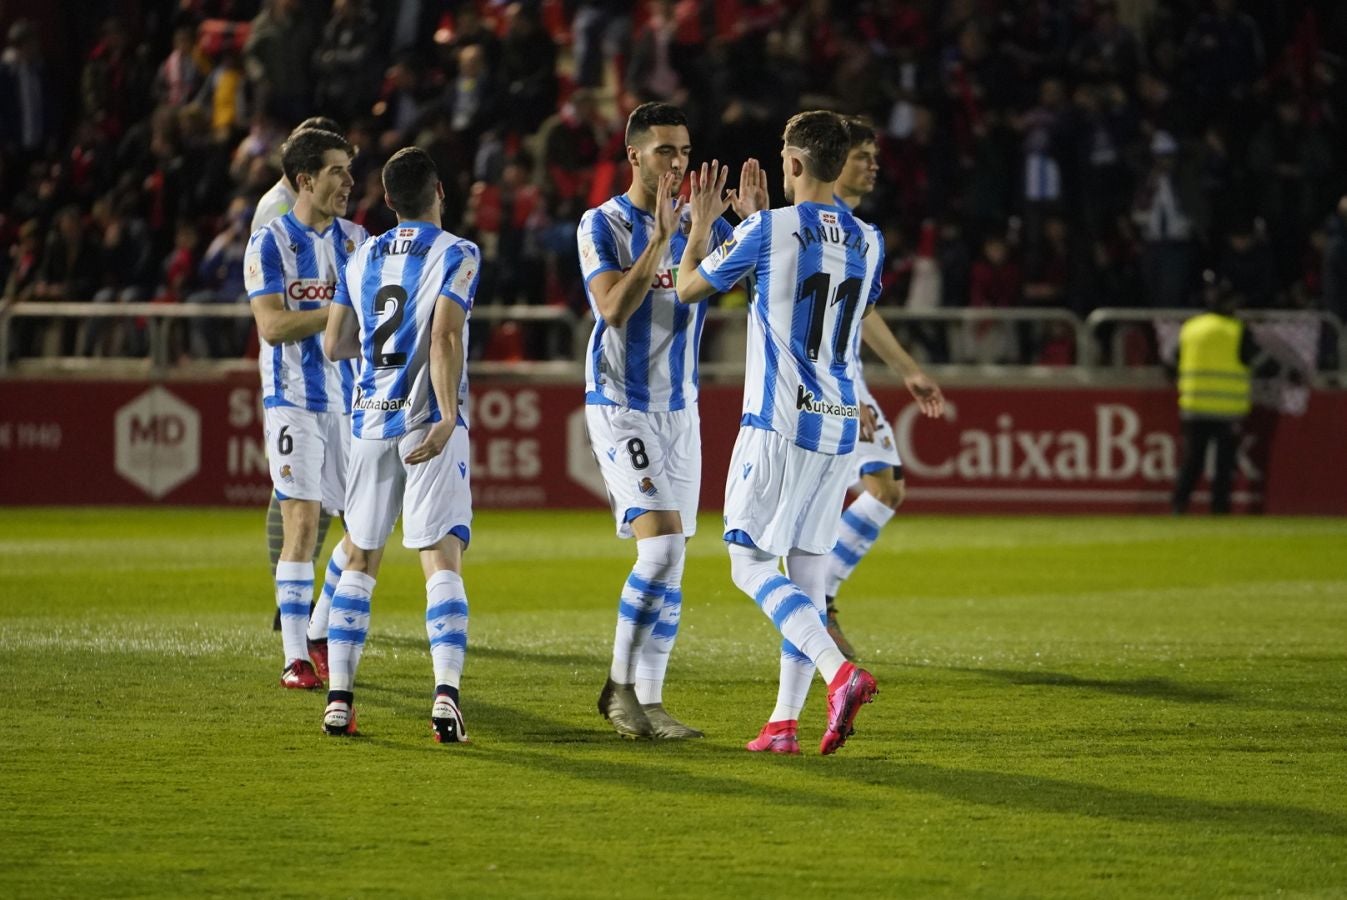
<point x="881" y="451"/>
<point x="306" y="452"/>
<point x="782" y="497"/>
<point x="649" y="460"/>
<point x="434" y="497"/>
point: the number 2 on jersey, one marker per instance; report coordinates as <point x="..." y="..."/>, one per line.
<point x="814" y="289"/>
<point x="390" y="304"/>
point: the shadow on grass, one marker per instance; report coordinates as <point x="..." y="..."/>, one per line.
<point x="1051" y="795"/>
<point x="485" y="651"/>
<point x="595" y="754"/>
<point x="1157" y="688"/>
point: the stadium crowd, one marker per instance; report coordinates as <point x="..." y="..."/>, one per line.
<point x="1034" y="153"/>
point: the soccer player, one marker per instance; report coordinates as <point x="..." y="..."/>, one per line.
<point x="816" y="265"/>
<point x="876" y="460"/>
<point x="402" y="308"/>
<point x="291" y="269"/>
<point x="276" y="202"/>
<point x="641" y="401"/>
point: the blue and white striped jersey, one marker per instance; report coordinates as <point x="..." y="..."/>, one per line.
<point x="289" y="258"/>
<point x="393" y="282"/>
<point x="817" y="272"/>
<point x="650" y="363"/>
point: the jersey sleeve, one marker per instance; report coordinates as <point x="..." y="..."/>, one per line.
<point x="350" y="269"/>
<point x="598" y="249"/>
<point x="262" y="270"/>
<point x="463" y="269"/>
<point x="736" y="255"/>
<point x="877" y="284"/>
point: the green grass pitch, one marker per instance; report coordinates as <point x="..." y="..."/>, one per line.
<point x="1068" y="707"/>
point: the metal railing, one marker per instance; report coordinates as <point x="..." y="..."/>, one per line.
<point x="159" y="317"/>
<point x="1096" y="343"/>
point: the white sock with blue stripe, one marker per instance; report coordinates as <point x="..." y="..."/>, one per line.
<point x="294" y="591"/>
<point x="331" y="575"/>
<point x="808" y="571"/>
<point x="755" y="572"/>
<point x="653" y="659"/>
<point x="861" y="522"/>
<point x="447" y="625"/>
<point x="642" y="597"/>
<point x="348" y="626"/>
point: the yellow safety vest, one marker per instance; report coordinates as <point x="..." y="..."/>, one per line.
<point x="1212" y="379"/>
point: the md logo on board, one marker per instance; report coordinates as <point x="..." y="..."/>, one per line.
<point x="158" y="442"/>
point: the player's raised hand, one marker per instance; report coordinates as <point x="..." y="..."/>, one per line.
<point x="433" y="444"/>
<point x="708" y="198"/>
<point x="666" y="213"/>
<point x="927" y="394"/>
<point x="752" y="195"/>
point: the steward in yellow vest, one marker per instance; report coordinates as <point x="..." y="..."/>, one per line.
<point x="1213" y="378"/>
<point x="1215" y="352"/>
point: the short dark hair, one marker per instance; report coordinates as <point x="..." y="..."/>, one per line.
<point x="409" y="179"/>
<point x="859" y="131"/>
<point x="302" y="153"/>
<point x="824" y="138"/>
<point x="648" y="115"/>
<point x="322" y="123"/>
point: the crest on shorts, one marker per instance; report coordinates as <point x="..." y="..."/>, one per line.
<point x="286" y="475"/>
<point x="647" y="487"/>
<point x="888" y="444"/>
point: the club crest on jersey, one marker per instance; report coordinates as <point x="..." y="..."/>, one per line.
<point x="647" y="487"/>
<point x="350" y="246"/>
<point x="807" y="402"/>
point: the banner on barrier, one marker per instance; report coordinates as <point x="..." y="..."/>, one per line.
<point x="996" y="450"/>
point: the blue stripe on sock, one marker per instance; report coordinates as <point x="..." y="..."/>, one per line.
<point x="790" y="650"/>
<point x="457" y="607"/>
<point x="648" y="588"/>
<point x="846" y="554"/>
<point x="628" y="612"/>
<point x="864" y="527"/>
<point x="457" y="639"/>
<point x="347" y="603"/>
<point x="766" y="590"/>
<point x="345" y="636"/>
<point x="294" y="585"/>
<point x="647" y="617"/>
<point x="333" y="568"/>
<point x="664" y="630"/>
<point x="789" y="607"/>
<point x="294" y="609"/>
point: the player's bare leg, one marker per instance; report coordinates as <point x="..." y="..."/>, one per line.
<point x="276" y="538"/>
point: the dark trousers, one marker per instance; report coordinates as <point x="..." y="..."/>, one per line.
<point x="1197" y="433"/>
